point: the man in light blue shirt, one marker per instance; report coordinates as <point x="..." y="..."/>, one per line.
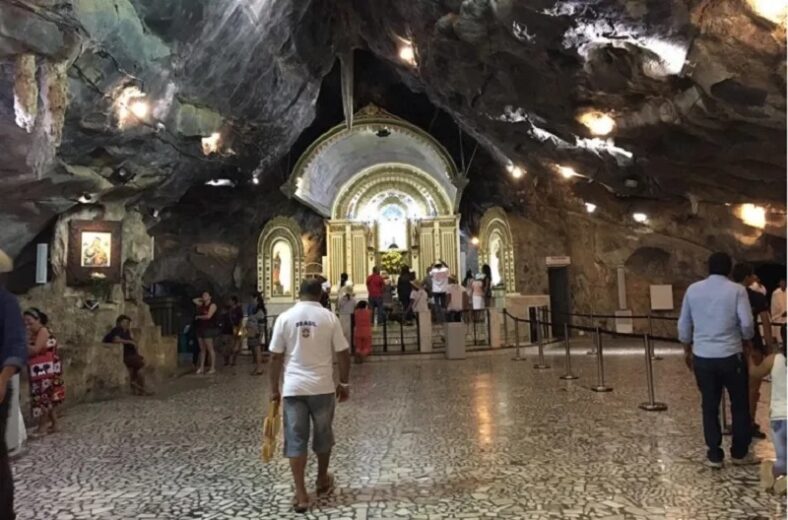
<point x="715" y="321"/>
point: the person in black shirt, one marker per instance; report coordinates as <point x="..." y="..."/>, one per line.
<point x="760" y="345"/>
<point x="131" y="358"/>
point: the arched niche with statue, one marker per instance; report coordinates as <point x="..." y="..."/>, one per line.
<point x="280" y="260"/>
<point x="496" y="248"/>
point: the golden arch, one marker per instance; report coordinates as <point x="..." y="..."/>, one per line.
<point x="496" y="246"/>
<point x="287" y="230"/>
<point x="405" y="179"/>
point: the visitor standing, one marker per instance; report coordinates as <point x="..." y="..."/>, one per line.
<point x="419" y="299"/>
<point x="134" y="362"/>
<point x="362" y="332"/>
<point x="346" y="305"/>
<point x="13" y="355"/>
<point x="477" y="296"/>
<point x="760" y="345"/>
<point x="375" y="288"/>
<point x="255" y="325"/>
<point x="45" y="371"/>
<point x="487" y="272"/>
<point x="236" y="316"/>
<point x="715" y="320"/>
<point x="325" y="297"/>
<point x="303" y="343"/>
<point x="440" y="285"/>
<point x="456" y="300"/>
<point x="778" y="308"/>
<point x="773" y="472"/>
<point x="207" y="331"/>
<point x="403" y="292"/>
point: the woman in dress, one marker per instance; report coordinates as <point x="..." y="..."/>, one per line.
<point x="207" y="331"/>
<point x="45" y="371"/>
<point x="346" y="305"/>
<point x="362" y="331"/>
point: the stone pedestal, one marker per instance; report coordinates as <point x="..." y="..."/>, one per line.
<point x="425" y="332"/>
<point x="455" y="340"/>
<point x="496" y="325"/>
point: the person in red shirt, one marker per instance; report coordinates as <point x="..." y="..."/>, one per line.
<point x="362" y="331"/>
<point x="375" y="288"/>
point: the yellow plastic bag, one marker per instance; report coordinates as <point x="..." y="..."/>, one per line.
<point x="271" y="426"/>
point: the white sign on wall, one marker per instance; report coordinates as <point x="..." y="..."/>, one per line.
<point x="661" y="297"/>
<point x="557" y="261"/>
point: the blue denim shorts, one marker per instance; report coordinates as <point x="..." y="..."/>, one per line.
<point x="297" y="411"/>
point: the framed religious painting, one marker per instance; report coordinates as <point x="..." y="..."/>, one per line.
<point x="94" y="249"/>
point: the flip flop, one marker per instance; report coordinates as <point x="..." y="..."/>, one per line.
<point x="328" y="488"/>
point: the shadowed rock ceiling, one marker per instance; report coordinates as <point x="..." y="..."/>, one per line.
<point x="697" y="90"/>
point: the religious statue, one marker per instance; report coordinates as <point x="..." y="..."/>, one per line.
<point x="277" y="270"/>
<point x="414" y="228"/>
<point x="370" y="232"/>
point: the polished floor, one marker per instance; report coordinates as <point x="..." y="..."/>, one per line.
<point x="486" y="437"/>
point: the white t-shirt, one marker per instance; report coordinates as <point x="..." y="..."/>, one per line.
<point x="440" y="279"/>
<point x="308" y="335"/>
<point x="456" y="293"/>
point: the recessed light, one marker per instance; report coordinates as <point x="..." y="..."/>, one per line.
<point x="641" y="218"/>
<point x="597" y="122"/>
<point x="590" y="207"/>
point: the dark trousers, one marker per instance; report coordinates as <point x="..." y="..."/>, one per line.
<point x="376" y="306"/>
<point x="6" y="482"/>
<point x="713" y="375"/>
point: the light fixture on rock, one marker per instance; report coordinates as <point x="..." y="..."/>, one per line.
<point x="255" y="180"/>
<point x="567" y="172"/>
<point x="590" y="207"/>
<point x="753" y="215"/>
<point x="211" y="143"/>
<point x="640" y="218"/>
<point x="85" y="198"/>
<point x="131" y="107"/>
<point x="407" y="53"/>
<point x="598" y="123"/>
<point x="773" y="10"/>
<point x="515" y="171"/>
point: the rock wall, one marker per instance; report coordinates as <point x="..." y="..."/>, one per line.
<point x="93" y="370"/>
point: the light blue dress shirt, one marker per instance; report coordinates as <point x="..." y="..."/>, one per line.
<point x="715" y="317"/>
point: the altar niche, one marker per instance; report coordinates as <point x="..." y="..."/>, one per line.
<point x="496" y="248"/>
<point x="280" y="260"/>
<point x="383" y="185"/>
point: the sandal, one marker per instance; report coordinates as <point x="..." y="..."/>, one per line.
<point x="327" y="488"/>
<point x="300" y="507"/>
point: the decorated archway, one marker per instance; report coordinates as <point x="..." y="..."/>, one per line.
<point x="386" y="187"/>
<point x="280" y="260"/>
<point x="496" y="248"/>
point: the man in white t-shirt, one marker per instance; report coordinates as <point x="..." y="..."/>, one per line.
<point x="440" y="284"/>
<point x="303" y="343"/>
<point x="778" y="309"/>
<point x="456" y="300"/>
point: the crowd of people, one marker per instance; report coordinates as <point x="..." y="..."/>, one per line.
<point x="727" y="350"/>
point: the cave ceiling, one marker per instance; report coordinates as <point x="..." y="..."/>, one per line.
<point x="696" y="88"/>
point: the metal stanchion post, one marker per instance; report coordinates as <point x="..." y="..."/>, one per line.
<point x="726" y="427"/>
<point x="517" y="340"/>
<point x="600" y="364"/>
<point x="568" y="364"/>
<point x="654" y="355"/>
<point x="541" y="365"/>
<point x="651" y="405"/>
<point x="592" y="352"/>
<point x="505" y="330"/>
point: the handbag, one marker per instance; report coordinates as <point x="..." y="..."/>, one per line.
<point x="271" y="425"/>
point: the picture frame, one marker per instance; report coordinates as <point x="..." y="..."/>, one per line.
<point x="94" y="252"/>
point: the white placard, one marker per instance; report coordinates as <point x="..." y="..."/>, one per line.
<point x="557" y="261"/>
<point x="661" y="297"/>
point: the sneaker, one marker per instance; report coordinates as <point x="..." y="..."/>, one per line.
<point x="767" y="476"/>
<point x="713" y="464"/>
<point x="779" y="485"/>
<point x="747" y="460"/>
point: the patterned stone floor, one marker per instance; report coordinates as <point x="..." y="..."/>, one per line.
<point x="422" y="439"/>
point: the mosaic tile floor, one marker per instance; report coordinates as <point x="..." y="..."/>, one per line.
<point x="420" y="439"/>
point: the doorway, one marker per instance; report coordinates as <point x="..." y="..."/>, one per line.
<point x="558" y="278"/>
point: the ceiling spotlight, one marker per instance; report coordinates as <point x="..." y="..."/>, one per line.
<point x="475" y="241"/>
<point x="211" y="143"/>
<point x="140" y="108"/>
<point x="598" y="123"/>
<point x="85" y="198"/>
<point x="407" y="53"/>
<point x="640" y="218"/>
<point x="567" y="172"/>
<point x="516" y="171"/>
<point x="590" y="208"/>
<point x="131" y="106"/>
<point x="773" y="10"/>
<point x="255" y="180"/>
<point x="753" y="215"/>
